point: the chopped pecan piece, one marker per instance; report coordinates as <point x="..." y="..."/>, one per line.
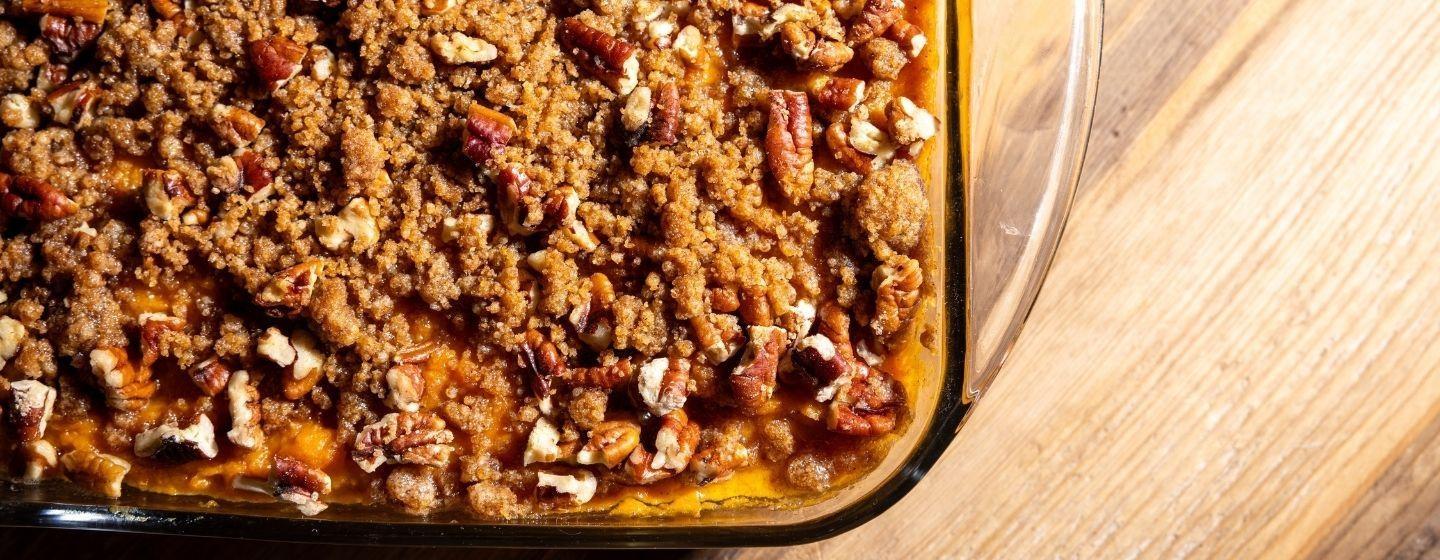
<point x="719" y="336"/>
<point x="664" y="384"/>
<point x="675" y="442"/>
<point x="33" y="199"/>
<point x="823" y="365"/>
<point x="580" y="486"/>
<point x="459" y="48"/>
<point x="12" y="333"/>
<point x="40" y="456"/>
<point x="867" y="406"/>
<point x="322" y="63"/>
<point x="720" y="459"/>
<point x="97" y="471"/>
<point x="753" y="380"/>
<point x="910" y="124"/>
<point x="486" y="132"/>
<point x="73" y="102"/>
<point x="605" y="56"/>
<point x="244" y="411"/>
<point x="811" y="50"/>
<point x="837" y="136"/>
<point x="235" y="125"/>
<point x="252" y="174"/>
<point x="610" y="443"/>
<point x="67" y="36"/>
<point x="210" y="376"/>
<point x="876" y="17"/>
<point x="300" y="484"/>
<point x="543" y="444"/>
<point x="413" y="438"/>
<point x="542" y="362"/>
<point x="755" y="307"/>
<point x="517" y="204"/>
<point x="406" y="384"/>
<point x="167" y="193"/>
<point x="289" y="290"/>
<point x="355" y="225"/>
<point x="298" y="355"/>
<point x="665" y="115"/>
<point x="593" y="319"/>
<point x="688" y="43"/>
<point x="908" y="36"/>
<point x="92" y="11"/>
<point x="51" y="76"/>
<point x="173" y="444"/>
<point x="29" y="408"/>
<point x="16" y="111"/>
<point x="126" y="387"/>
<point x="275" y="60"/>
<point x="788" y="144"/>
<point x="837" y="94"/>
<point x="153" y="329"/>
<point x="635" y="115"/>
<point x="897" y="290"/>
<point x="600" y="377"/>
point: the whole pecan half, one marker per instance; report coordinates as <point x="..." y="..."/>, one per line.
<point x="33" y="199"/>
<point x="788" y="144"/>
<point x="126" y="387"/>
<point x="300" y="484"/>
<point x="275" y="60"/>
<point x="608" y="58"/>
<point x="97" y="471"/>
<point x="414" y="438"/>
<point x="288" y="291"/>
<point x="29" y="408"/>
<point x="665" y="115"/>
<point x="67" y="36"/>
<point x="486" y="132"/>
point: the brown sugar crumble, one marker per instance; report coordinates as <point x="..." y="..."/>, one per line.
<point x="510" y="258"/>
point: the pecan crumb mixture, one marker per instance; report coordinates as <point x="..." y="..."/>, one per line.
<point x="505" y="257"/>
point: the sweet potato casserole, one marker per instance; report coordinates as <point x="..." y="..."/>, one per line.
<point x="516" y="258"/>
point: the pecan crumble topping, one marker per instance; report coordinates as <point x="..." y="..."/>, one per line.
<point x="510" y="258"/>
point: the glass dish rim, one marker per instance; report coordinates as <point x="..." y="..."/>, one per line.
<point x="955" y="403"/>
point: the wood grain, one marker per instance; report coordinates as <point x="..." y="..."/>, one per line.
<point x="1235" y="353"/>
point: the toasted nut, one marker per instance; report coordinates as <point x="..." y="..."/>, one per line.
<point x="788" y="144"/>
<point x="244" y="411"/>
<point x="753" y="380"/>
<point x="812" y="51"/>
<point x="580" y="486"/>
<point x="486" y="132"/>
<point x="600" y="377"/>
<point x="897" y="290"/>
<point x="869" y="139"/>
<point x="822" y="365"/>
<point x="593" y="319"/>
<point x="664" y="384"/>
<point x="788" y="14"/>
<point x="355" y="225"/>
<point x="407" y="385"/>
<point x="867" y="406"/>
<point x="253" y="175"/>
<point x="51" y="76"/>
<point x="40" y="456"/>
<point x="459" y="48"/>
<point x="658" y="34"/>
<point x="719" y="336"/>
<point x="473" y="227"/>
<point x="97" y="471"/>
<point x="542" y="363"/>
<point x="688" y="43"/>
<point x="755" y="307"/>
<point x="322" y="63"/>
<point x="73" y="102"/>
<point x="289" y="290"/>
<point x="837" y="94"/>
<point x="171" y="443"/>
<point x="67" y="36"/>
<point x="154" y="328"/>
<point x="235" y="125"/>
<point x="433" y="7"/>
<point x="16" y="111"/>
<point x="874" y="19"/>
<point x="636" y="113"/>
<point x="610" y="59"/>
<point x="300" y="484"/>
<point x="748" y="18"/>
<point x="12" y="333"/>
<point x="126" y="387"/>
<point x="29" y="408"/>
<point x="167" y="193"/>
<point x="909" y="123"/>
<point x="166" y="9"/>
<point x="665" y="116"/>
<point x="719" y="460"/>
<point x="799" y="319"/>
<point x="610" y="443"/>
<point x="92" y="11"/>
<point x="837" y="137"/>
<point x="517" y="204"/>
<point x="33" y="199"/>
<point x="414" y="438"/>
<point x="298" y="354"/>
<point x="909" y="36"/>
<point x="276" y="60"/>
<point x="675" y="442"/>
<point x="543" y="445"/>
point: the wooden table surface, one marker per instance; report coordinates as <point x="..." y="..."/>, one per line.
<point x="1236" y="352"/>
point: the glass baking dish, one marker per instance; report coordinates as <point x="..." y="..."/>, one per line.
<point x="1017" y="113"/>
